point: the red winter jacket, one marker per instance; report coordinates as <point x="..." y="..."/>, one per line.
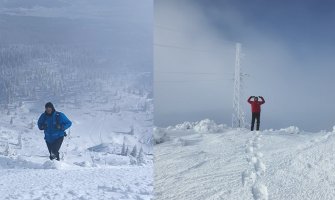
<point x="256" y="105"/>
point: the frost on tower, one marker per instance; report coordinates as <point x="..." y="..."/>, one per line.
<point x="238" y="120"/>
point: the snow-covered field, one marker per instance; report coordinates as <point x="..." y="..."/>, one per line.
<point x="102" y="183"/>
<point x="207" y="161"/>
<point x="91" y="165"/>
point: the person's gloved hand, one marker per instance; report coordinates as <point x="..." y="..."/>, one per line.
<point x="59" y="127"/>
<point x="44" y="126"/>
<point x="65" y="134"/>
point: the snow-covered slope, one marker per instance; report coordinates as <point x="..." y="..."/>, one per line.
<point x="108" y="110"/>
<point x="226" y="163"/>
<point x="91" y="165"/>
<point x="93" y="60"/>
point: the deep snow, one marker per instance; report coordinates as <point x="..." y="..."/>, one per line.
<point x="93" y="60"/>
<point x="226" y="163"/>
<point x="102" y="183"/>
<point x="107" y="109"/>
<point x="91" y="165"/>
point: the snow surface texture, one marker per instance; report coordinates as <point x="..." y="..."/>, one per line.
<point x="107" y="121"/>
<point x="239" y="164"/>
<point x="92" y="164"/>
<point x="93" y="60"/>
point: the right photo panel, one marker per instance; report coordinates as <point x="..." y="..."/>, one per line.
<point x="242" y="103"/>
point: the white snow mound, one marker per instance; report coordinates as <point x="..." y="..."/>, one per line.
<point x="160" y="135"/>
<point x="208" y="126"/>
<point x="203" y="126"/>
<point x="291" y="130"/>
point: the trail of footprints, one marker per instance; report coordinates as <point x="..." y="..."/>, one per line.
<point x="253" y="177"/>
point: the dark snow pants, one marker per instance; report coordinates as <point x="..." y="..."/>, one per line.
<point x="54" y="148"/>
<point x="255" y="116"/>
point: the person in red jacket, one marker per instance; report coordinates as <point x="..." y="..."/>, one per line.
<point x="256" y="110"/>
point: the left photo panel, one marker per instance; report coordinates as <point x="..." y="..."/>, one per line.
<point x="76" y="99"/>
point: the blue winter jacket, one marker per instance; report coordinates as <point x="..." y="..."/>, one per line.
<point x="48" y="123"/>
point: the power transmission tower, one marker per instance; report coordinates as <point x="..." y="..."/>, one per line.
<point x="238" y="120"/>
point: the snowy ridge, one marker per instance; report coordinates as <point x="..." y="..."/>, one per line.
<point x="203" y="126"/>
<point x="238" y="164"/>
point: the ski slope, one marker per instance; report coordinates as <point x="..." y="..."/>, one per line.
<point x="207" y="161"/>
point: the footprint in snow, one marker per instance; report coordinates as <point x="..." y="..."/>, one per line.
<point x="259" y="155"/>
<point x="248" y="177"/>
<point x="260" y="192"/>
<point x="260" y="167"/>
<point x="256" y="146"/>
<point x="249" y="150"/>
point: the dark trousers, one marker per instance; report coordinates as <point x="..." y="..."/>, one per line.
<point x="54" y="147"/>
<point x="255" y="116"/>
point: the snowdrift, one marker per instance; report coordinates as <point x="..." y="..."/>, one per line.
<point x="202" y="127"/>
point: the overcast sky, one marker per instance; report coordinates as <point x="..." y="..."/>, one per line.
<point x="122" y="30"/>
<point x="288" y="51"/>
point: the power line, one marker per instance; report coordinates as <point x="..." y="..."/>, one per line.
<point x="184" y="48"/>
<point x="167" y="28"/>
<point x="190" y="81"/>
<point x="180" y="47"/>
<point x="192" y="73"/>
<point x="158" y="26"/>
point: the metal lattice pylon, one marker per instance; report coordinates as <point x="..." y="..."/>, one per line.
<point x="238" y="120"/>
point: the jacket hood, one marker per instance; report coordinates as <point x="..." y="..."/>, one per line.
<point x="50" y="105"/>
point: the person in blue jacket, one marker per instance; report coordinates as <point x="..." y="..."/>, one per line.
<point x="54" y="125"/>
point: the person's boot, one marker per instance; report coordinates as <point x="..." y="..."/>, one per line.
<point x="52" y="156"/>
<point x="57" y="157"/>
